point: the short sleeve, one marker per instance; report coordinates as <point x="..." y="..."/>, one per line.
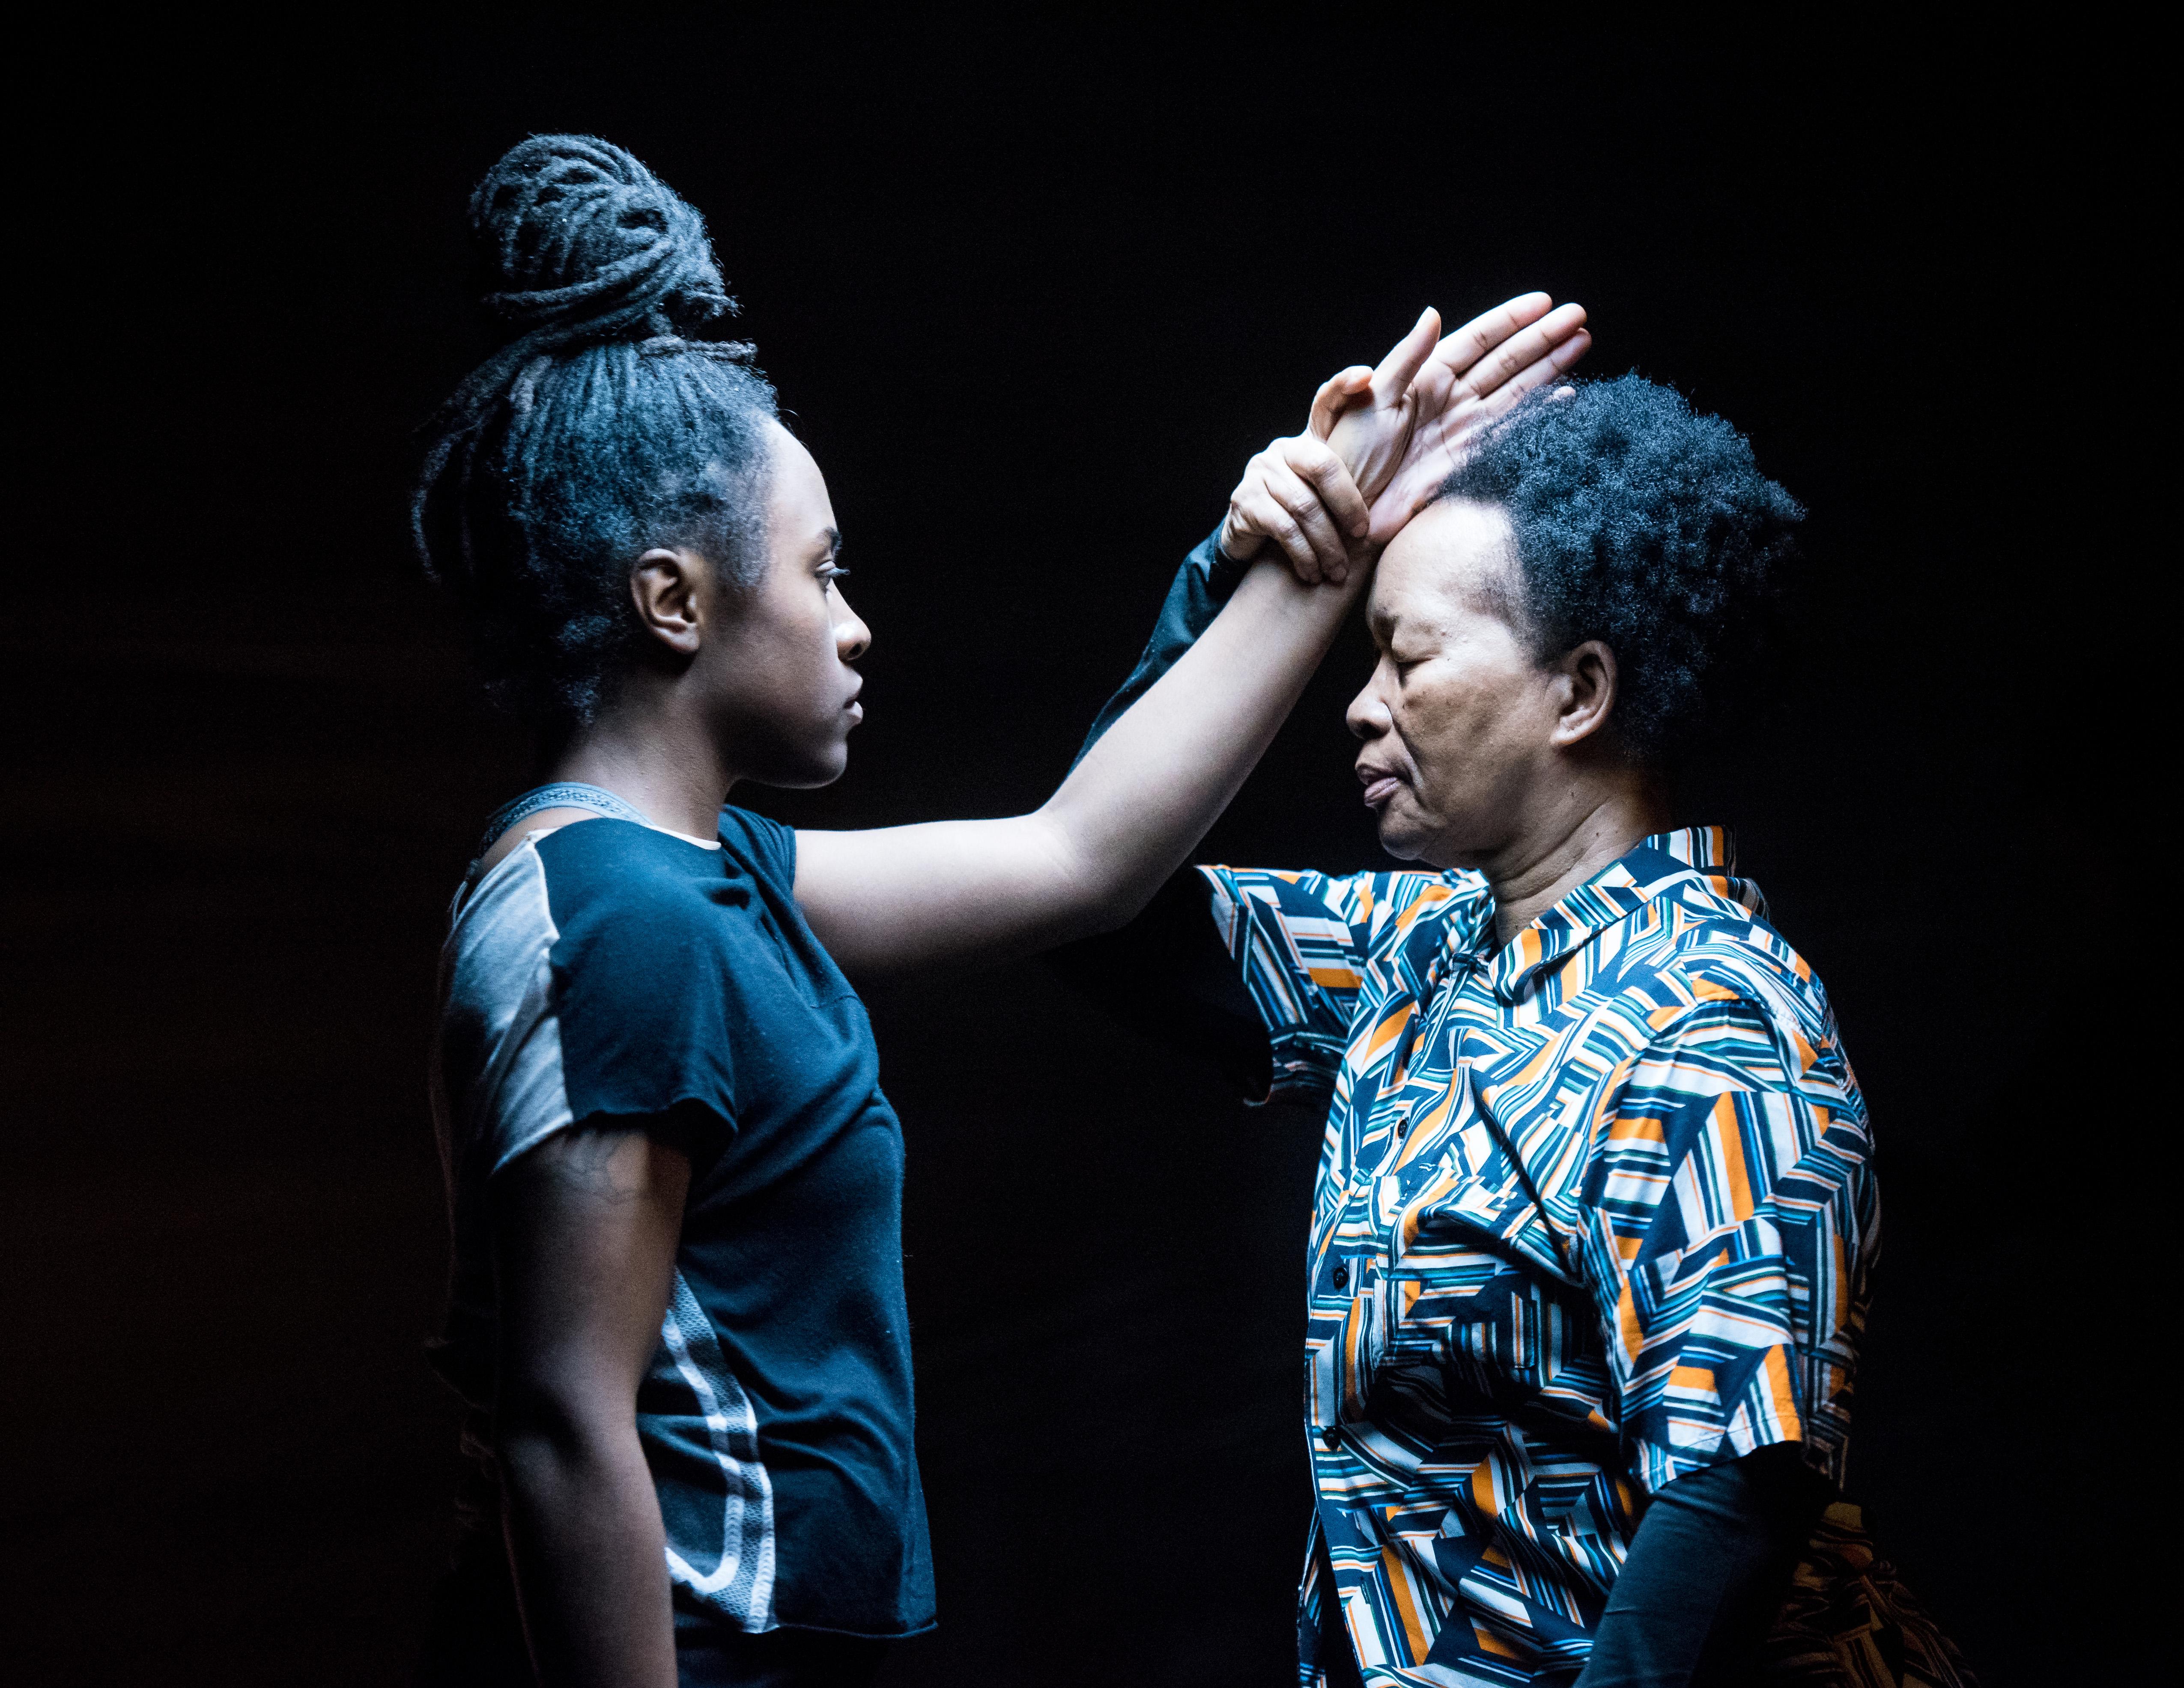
<point x="1733" y="1219"/>
<point x="1298" y="941"/>
<point x="648" y="979"/>
<point x="768" y="843"/>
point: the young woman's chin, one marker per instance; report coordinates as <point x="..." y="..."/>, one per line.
<point x="820" y="765"/>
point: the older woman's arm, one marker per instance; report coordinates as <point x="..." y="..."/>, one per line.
<point x="1706" y="1573"/>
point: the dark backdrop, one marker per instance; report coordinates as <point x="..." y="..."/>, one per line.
<point x="1032" y="299"/>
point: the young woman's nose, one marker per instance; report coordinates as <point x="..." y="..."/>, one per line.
<point x="852" y="637"/>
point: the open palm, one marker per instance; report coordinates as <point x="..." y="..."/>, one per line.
<point x="1401" y="428"/>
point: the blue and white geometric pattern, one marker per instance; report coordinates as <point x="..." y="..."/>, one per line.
<point x="1595" y="1208"/>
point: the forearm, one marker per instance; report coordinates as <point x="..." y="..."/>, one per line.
<point x="1126" y="817"/>
<point x="1201" y="588"/>
<point x="1705" y="1574"/>
<point x="1142" y="797"/>
<point x="589" y="1553"/>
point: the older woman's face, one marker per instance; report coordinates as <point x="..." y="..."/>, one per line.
<point x="1457" y="719"/>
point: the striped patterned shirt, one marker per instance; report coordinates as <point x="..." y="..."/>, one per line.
<point x="1595" y="1208"/>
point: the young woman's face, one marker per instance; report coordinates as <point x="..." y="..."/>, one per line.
<point x="782" y="689"/>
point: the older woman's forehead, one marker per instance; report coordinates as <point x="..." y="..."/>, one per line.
<point x="1448" y="561"/>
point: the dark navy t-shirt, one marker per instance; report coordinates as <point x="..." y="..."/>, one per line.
<point x="611" y="970"/>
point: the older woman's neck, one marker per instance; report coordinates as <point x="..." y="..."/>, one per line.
<point x="1572" y="835"/>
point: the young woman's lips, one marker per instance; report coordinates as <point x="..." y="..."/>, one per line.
<point x="1379" y="791"/>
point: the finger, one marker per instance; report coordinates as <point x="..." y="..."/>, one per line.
<point x="1392" y="379"/>
<point x="1329" y="477"/>
<point x="1436" y="386"/>
<point x="1538" y="373"/>
<point x="1335" y="397"/>
<point x="1256" y="510"/>
<point x="1533" y="347"/>
<point x="1484" y="332"/>
<point x="1239" y="544"/>
<point x="1410" y="492"/>
<point x="1302" y="500"/>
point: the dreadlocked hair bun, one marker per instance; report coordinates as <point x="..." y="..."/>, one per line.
<point x="610" y="419"/>
<point x="580" y="241"/>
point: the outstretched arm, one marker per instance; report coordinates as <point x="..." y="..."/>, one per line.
<point x="1200" y="715"/>
<point x="1125" y="818"/>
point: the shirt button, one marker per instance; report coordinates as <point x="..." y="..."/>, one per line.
<point x="1403" y="1128"/>
<point x="1341" y="1275"/>
<point x="1332" y="1436"/>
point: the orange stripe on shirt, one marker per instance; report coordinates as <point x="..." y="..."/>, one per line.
<point x="1489" y="1642"/>
<point x="1785" y="1399"/>
<point x="1405" y="1604"/>
<point x="1386" y="1033"/>
<point x="1628" y="1127"/>
<point x="1729" y="1135"/>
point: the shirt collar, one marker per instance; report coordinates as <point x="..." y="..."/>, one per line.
<point x="1700" y="855"/>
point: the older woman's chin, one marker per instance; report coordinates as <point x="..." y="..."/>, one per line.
<point x="1402" y="837"/>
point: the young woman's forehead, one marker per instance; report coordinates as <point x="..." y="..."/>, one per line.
<point x="802" y="509"/>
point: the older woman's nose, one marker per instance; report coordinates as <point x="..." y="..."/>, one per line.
<point x="1367" y="716"/>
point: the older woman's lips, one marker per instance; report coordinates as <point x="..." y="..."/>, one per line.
<point x="1379" y="791"/>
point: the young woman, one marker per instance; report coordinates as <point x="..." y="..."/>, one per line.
<point x="676" y="1309"/>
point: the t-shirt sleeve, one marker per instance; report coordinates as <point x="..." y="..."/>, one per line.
<point x="1298" y="941"/>
<point x="757" y="838"/>
<point x="645" y="1002"/>
<point x="1732" y="1220"/>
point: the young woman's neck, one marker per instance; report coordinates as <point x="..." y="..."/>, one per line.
<point x="647" y="757"/>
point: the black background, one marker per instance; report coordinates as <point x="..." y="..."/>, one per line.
<point x="1031" y="298"/>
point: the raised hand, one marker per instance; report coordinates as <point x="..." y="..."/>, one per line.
<point x="1308" y="492"/>
<point x="1471" y="377"/>
<point x="1298" y="493"/>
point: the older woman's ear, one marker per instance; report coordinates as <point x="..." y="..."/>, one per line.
<point x="1585" y="682"/>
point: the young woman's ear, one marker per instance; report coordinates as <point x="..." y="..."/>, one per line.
<point x="1588" y="695"/>
<point x="665" y="586"/>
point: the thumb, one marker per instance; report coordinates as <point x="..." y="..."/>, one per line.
<point x="1333" y="398"/>
<point x="1392" y="380"/>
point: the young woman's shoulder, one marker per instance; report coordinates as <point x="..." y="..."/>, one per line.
<point x="618" y="872"/>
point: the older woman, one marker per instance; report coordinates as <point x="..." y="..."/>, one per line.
<point x="1596" y="1217"/>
